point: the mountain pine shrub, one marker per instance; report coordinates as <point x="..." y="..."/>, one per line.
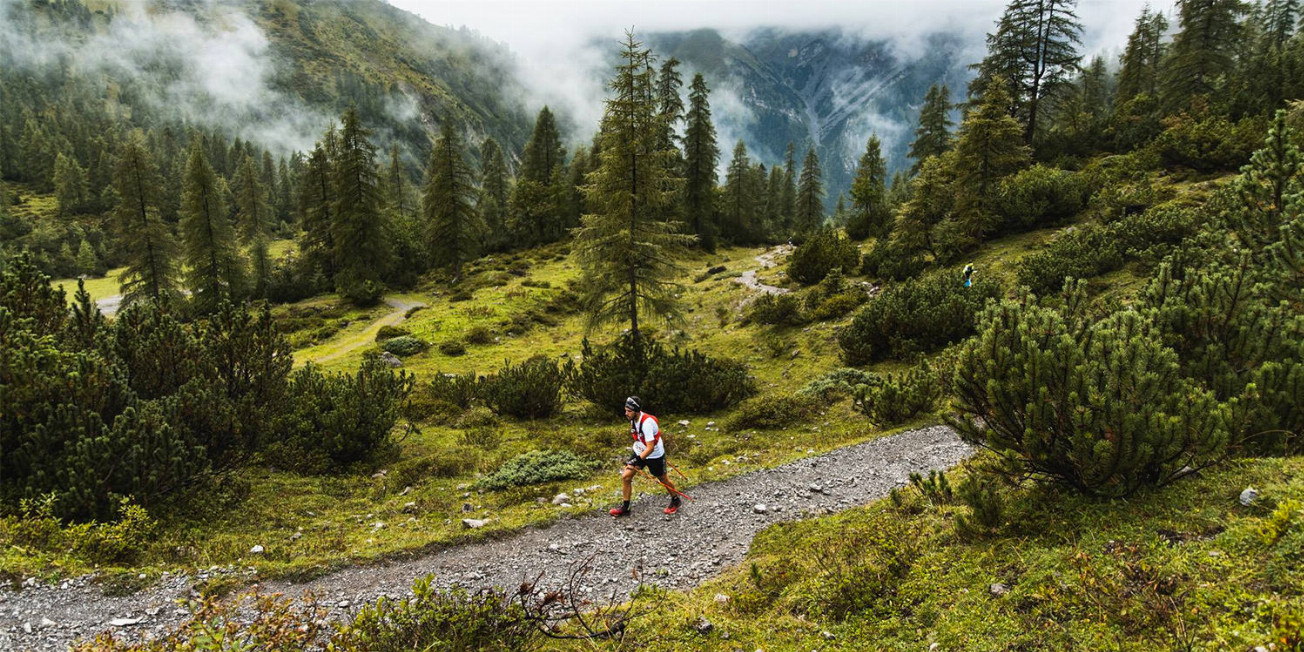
<point x="917" y="316"/>
<point x="536" y="467"/>
<point x="668" y="381"/>
<point x="896" y="398"/>
<point x="529" y="390"/>
<point x="1039" y="196"/>
<point x="1100" y="405"/>
<point x="824" y="251"/>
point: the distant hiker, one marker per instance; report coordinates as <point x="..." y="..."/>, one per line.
<point x="968" y="275"/>
<point x="649" y="453"/>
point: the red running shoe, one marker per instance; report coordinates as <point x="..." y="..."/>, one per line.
<point x="620" y="511"/>
<point x="674" y="505"/>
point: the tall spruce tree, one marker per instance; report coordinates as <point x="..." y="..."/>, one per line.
<point x="739" y="204"/>
<point x="454" y="227"/>
<point x="544" y="152"/>
<point x="1203" y="51"/>
<point x="536" y="202"/>
<point x="809" y="216"/>
<point x="871" y="214"/>
<point x="398" y="195"/>
<point x="701" y="155"/>
<point x="628" y="251"/>
<point x="788" y="201"/>
<point x="214" y="270"/>
<point x="148" y="247"/>
<point x="70" y="189"/>
<point x="1035" y="50"/>
<point x="1140" y="63"/>
<point x="253" y="215"/>
<point x="357" y="223"/>
<point x="933" y="136"/>
<point x="316" y="210"/>
<point x="494" y="184"/>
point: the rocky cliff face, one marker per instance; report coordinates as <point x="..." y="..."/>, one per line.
<point x="827" y="88"/>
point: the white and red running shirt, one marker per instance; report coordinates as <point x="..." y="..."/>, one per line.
<point x="646" y="432"/>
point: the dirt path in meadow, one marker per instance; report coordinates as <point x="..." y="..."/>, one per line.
<point x="708" y="535"/>
<point x="767" y="261"/>
<point x="352" y="343"/>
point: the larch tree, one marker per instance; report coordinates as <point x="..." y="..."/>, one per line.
<point x="809" y="215"/>
<point x="628" y="251"/>
<point x="453" y="225"/>
<point x="253" y="216"/>
<point x="214" y="270"/>
<point x="70" y="189"/>
<point x="148" y="247"/>
<point x="988" y="147"/>
<point x="933" y="136"/>
<point x="701" y="155"/>
<point x="871" y="215"/>
<point x="495" y="183"/>
<point x="1035" y="50"/>
<point x="357" y="225"/>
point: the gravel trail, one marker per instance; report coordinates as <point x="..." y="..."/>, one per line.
<point x="767" y="261"/>
<point x="367" y="337"/>
<point x="709" y="535"/>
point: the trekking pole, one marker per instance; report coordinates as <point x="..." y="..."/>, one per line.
<point x="676" y="469"/>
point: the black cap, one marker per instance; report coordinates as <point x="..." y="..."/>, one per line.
<point x="632" y="403"/>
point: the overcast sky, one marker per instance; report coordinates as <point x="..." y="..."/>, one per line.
<point x="534" y="27"/>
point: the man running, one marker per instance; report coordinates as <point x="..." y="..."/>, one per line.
<point x="649" y="453"/>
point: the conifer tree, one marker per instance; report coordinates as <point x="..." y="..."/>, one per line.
<point x="870" y="213"/>
<point x="213" y="267"/>
<point x="148" y="247"/>
<point x="988" y="147"/>
<point x="87" y="262"/>
<point x="1203" y="51"/>
<point x="739" y="201"/>
<point x="69" y="185"/>
<point x="788" y="201"/>
<point x="1034" y="51"/>
<point x="357" y="227"/>
<point x="285" y="192"/>
<point x="810" y="196"/>
<point x="316" y="210"/>
<point x="933" y="136"/>
<point x="628" y="251"/>
<point x="701" y="155"/>
<point x="253" y="215"/>
<point x="454" y="227"/>
<point x="573" y="205"/>
<point x="1140" y="64"/>
<point x="271" y="185"/>
<point x="494" y="184"/>
<point x="544" y="152"/>
<point x="397" y="193"/>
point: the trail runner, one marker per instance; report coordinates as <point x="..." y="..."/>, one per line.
<point x="649" y="454"/>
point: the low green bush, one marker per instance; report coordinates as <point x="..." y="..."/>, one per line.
<point x="917" y="316"/>
<point x="477" y="417"/>
<point x="452" y="348"/>
<point x="1039" y="196"/>
<point x="833" y="298"/>
<point x="333" y="420"/>
<point x="821" y="253"/>
<point x="837" y="384"/>
<point x="1208" y="143"/>
<point x="479" y="334"/>
<point x="529" y="390"/>
<point x="388" y="332"/>
<point x="668" y="381"/>
<point x="776" y="310"/>
<point x="536" y="467"/>
<point x="457" y="389"/>
<point x="431" y="619"/>
<point x="892" y="262"/>
<point x="405" y="345"/>
<point x="772" y="412"/>
<point x="897" y="398"/>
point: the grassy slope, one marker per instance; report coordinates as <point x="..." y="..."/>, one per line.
<point x="1185" y="564"/>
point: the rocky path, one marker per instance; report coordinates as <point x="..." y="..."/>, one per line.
<point x="709" y="535"/>
<point x="767" y="261"/>
<point x="367" y="336"/>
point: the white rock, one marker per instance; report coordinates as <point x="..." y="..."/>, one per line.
<point x="710" y="423"/>
<point x="684" y="423"/>
<point x="721" y="598"/>
<point x="474" y="523"/>
<point x="997" y="589"/>
<point x="378" y="525"/>
<point x="343" y="604"/>
<point x="124" y="622"/>
<point x="565" y="505"/>
<point x="256" y="550"/>
<point x="578" y="491"/>
<point x="1249" y="496"/>
<point x="760" y="508"/>
<point x="46" y="622"/>
<point x="560" y="498"/>
<point x="409" y="507"/>
<point x="27" y="627"/>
